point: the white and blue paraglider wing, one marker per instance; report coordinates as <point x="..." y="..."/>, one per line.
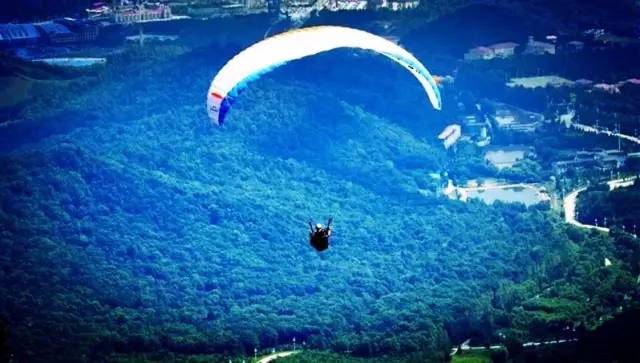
<point x="275" y="51"/>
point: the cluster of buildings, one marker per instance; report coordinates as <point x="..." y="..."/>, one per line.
<point x="479" y="128"/>
<point x="52" y="32"/>
<point x="536" y="47"/>
<point x="296" y="10"/>
<point x="398" y="5"/>
<point x="601" y="37"/>
<point x="26" y="38"/>
<point x="600" y="160"/>
<point x="548" y="46"/>
<point x="508" y="49"/>
<point x="511" y="119"/>
<point x="334" y="5"/>
<point x="556" y="81"/>
<point x="128" y="12"/>
<point x="616" y="87"/>
<point x="499" y="50"/>
<point x="142" y="13"/>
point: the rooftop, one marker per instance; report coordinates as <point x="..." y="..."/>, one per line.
<point x="53" y="28"/>
<point x="483" y="50"/>
<point x="505" y="45"/>
<point x="18" y="31"/>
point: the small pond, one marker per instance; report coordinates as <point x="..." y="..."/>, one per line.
<point x="527" y="196"/>
<point x="504" y="158"/>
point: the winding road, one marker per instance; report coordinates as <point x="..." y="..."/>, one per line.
<point x="569" y="204"/>
<point x="570" y="200"/>
<point x="466" y="347"/>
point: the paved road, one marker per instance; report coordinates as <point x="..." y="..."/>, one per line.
<point x="466" y="347"/>
<point x="570" y="211"/>
<point x="587" y="128"/>
<point x="274" y="356"/>
<point x="570" y="203"/>
<point x="570" y="200"/>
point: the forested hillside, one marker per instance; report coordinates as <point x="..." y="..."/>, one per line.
<point x="138" y="227"/>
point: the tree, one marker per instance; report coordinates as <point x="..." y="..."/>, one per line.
<point x="514" y="347"/>
<point x="4" y="341"/>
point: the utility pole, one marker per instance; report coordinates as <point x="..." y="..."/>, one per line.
<point x="141" y="35"/>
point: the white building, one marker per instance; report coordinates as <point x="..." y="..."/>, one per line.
<point x="141" y="13"/>
<point x="539" y="48"/>
<point x="397" y="5"/>
<point x="479" y="53"/>
<point x="504" y="50"/>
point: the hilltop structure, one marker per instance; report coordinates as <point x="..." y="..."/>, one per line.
<point x="18" y="35"/>
<point x="127" y="12"/>
<point x="499" y="50"/>
<point x="535" y="47"/>
<point x="478" y="130"/>
<point x="600" y="160"/>
<point x="52" y="32"/>
<point x="512" y="119"/>
<point x="479" y="53"/>
<point x="504" y="50"/>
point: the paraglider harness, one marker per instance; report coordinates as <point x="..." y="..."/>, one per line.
<point x="319" y="237"/>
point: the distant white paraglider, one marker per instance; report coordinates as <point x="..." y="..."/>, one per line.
<point x="282" y="48"/>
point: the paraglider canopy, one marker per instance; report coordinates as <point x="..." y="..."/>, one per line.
<point x="282" y="48"/>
